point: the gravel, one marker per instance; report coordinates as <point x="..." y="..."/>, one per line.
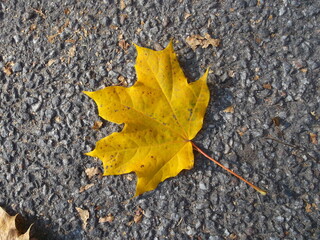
<point x="267" y="67"/>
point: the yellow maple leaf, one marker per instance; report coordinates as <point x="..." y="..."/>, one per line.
<point x="8" y="230"/>
<point x="162" y="112"/>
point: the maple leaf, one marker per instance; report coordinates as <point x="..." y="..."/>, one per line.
<point x="162" y="113"/>
<point x="8" y="230"/>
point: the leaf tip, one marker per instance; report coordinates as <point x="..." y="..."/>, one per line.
<point x="91" y="154"/>
<point x="87" y="93"/>
<point x="137" y="47"/>
<point x="137" y="193"/>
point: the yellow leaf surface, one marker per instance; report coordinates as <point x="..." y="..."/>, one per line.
<point x="162" y="112"/>
<point x="8" y="230"/>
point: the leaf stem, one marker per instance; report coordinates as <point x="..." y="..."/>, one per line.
<point x="227" y="169"/>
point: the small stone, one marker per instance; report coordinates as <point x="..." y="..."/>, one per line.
<point x="280" y="218"/>
<point x="106" y="21"/>
<point x="190" y="231"/>
<point x="50" y="113"/>
<point x="198" y="224"/>
<point x="264" y="33"/>
<point x="102" y="71"/>
<point x="17" y="38"/>
<point x="147" y="213"/>
<point x="17" y="67"/>
<point x="202" y="186"/>
<point x="35" y="107"/>
<point x="282" y="11"/>
<point x="113" y="75"/>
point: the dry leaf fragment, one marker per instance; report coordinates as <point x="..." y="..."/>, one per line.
<point x="8" y="228"/>
<point x="129" y="177"/>
<point x="315" y="115"/>
<point x="72" y="51"/>
<point x="196" y="40"/>
<point x="84" y="215"/>
<point x="59" y="31"/>
<point x="233" y="236"/>
<point x="231" y="73"/>
<point x="92" y="172"/>
<point x="40" y="12"/>
<point x="229" y="109"/>
<point x="122" y="81"/>
<point x="187" y="15"/>
<point x="73" y="41"/>
<point x="123" y="17"/>
<point x="86" y="187"/>
<point x="162" y="113"/>
<point x="122" y="5"/>
<point x="313" y="138"/>
<point x="52" y="37"/>
<point x="97" y="125"/>
<point x="109" y="218"/>
<point x="50" y="62"/>
<point x="123" y="44"/>
<point x="311" y="206"/>
<point x="7" y="69"/>
<point x="66" y="11"/>
<point x="308" y="208"/>
<point x="138" y="215"/>
<point x="33" y="27"/>
<point x="276" y="121"/>
<point x="242" y="131"/>
<point x="267" y="86"/>
<point x="58" y="119"/>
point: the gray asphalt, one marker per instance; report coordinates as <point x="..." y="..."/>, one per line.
<point x="267" y="67"/>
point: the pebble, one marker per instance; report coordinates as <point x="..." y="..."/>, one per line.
<point x="17" y="67"/>
<point x="202" y="186"/>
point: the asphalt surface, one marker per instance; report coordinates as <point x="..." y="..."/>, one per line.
<point x="266" y="67"/>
